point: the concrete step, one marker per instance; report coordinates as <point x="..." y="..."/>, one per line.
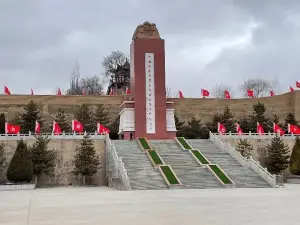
<point x="172" y="154"/>
<point x="187" y="169"/>
<point x="197" y="177"/>
<point x="142" y="175"/>
<point x="243" y="177"/>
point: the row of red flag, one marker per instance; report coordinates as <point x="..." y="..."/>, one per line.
<point x="76" y="127"/>
<point x="59" y="93"/>
<point x="227" y="95"/>
<point x="292" y="129"/>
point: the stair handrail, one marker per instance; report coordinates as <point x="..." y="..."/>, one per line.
<point x="246" y="162"/>
<point x="122" y="173"/>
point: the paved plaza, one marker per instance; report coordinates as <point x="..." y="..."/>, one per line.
<point x="66" y="206"/>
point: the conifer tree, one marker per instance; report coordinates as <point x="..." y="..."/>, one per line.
<point x="277" y="155"/>
<point x="290" y="119"/>
<point x="275" y="118"/>
<point x="2" y="164"/>
<point x="84" y="115"/>
<point x="194" y="129"/>
<point x="245" y="124"/>
<point x="245" y="148"/>
<point x="20" y="168"/>
<point x="259" y="115"/>
<point x="213" y="124"/>
<point x="179" y="127"/>
<point x="86" y="161"/>
<point x="227" y="120"/>
<point x="43" y="159"/>
<point x="61" y="118"/>
<point x="2" y="123"/>
<point x="29" y="117"/>
<point x="101" y="115"/>
<point x="2" y="158"/>
<point x="295" y="158"/>
<point x="114" y="129"/>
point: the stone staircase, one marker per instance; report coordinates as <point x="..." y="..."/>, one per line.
<point x="189" y="172"/>
<point x="142" y="175"/>
<point x="243" y="177"/>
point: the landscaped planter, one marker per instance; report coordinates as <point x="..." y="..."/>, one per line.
<point x="183" y="143"/>
<point x="154" y="158"/>
<point x="220" y="174"/>
<point x="13" y="187"/>
<point x="143" y="143"/>
<point x="199" y="157"/>
<point x="169" y="175"/>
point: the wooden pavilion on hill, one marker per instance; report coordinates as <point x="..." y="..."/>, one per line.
<point x="119" y="80"/>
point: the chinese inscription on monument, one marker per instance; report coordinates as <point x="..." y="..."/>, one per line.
<point x="150" y="93"/>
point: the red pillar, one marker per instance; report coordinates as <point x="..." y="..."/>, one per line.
<point x="148" y="88"/>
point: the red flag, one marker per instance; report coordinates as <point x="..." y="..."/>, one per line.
<point x="239" y="129"/>
<point x="227" y="94"/>
<point x="56" y="128"/>
<point x="101" y="129"/>
<point x="259" y="129"/>
<point x="111" y="92"/>
<point x="272" y="93"/>
<point x="59" y="92"/>
<point x="31" y="91"/>
<point x="106" y="130"/>
<point x="6" y="90"/>
<point x="37" y="128"/>
<point x="278" y="129"/>
<point x="250" y="93"/>
<point x="180" y="94"/>
<point x="297" y="84"/>
<point x="291" y="89"/>
<point x="77" y="126"/>
<point x="221" y="128"/>
<point x="293" y="129"/>
<point x="12" y="129"/>
<point x="204" y="93"/>
<point x="127" y="91"/>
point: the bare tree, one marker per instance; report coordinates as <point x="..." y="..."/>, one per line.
<point x="273" y="84"/>
<point x="92" y="85"/>
<point x="169" y="93"/>
<point x="111" y="62"/>
<point x="219" y="90"/>
<point x="75" y="88"/>
<point x="259" y="86"/>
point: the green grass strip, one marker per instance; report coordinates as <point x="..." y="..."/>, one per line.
<point x="144" y="143"/>
<point x="200" y="157"/>
<point x="155" y="157"/>
<point x="220" y="174"/>
<point x="184" y="143"/>
<point x="169" y="175"/>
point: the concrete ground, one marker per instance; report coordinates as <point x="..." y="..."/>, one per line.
<point x="72" y="206"/>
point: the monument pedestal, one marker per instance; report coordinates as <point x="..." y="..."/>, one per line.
<point x="127" y="121"/>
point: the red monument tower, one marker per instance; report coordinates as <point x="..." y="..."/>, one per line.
<point x="146" y="112"/>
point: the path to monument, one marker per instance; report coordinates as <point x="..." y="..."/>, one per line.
<point x="104" y="206"/>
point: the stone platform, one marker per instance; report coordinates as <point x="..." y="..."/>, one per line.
<point x="102" y="205"/>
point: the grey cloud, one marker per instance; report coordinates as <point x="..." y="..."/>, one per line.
<point x="41" y="40"/>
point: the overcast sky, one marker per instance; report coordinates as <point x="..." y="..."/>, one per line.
<point x="208" y="42"/>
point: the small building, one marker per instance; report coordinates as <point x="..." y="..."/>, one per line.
<point x="120" y="80"/>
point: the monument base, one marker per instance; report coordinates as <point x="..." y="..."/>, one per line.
<point x="127" y="122"/>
